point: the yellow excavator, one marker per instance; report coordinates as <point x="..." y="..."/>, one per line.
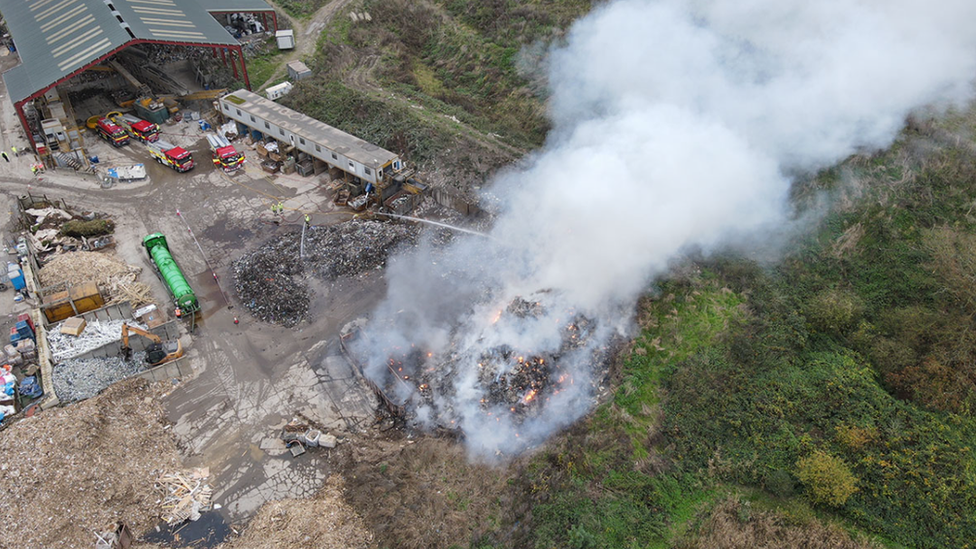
<point x="159" y="352"/>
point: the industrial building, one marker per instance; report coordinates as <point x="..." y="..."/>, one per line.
<point x="58" y="40"/>
<point x="359" y="160"/>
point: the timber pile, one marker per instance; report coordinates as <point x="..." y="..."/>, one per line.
<point x="68" y="470"/>
<point x="115" y="279"/>
<point x="185" y="495"/>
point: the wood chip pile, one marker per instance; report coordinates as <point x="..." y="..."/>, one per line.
<point x="185" y="495"/>
<point x="116" y="280"/>
<point x="325" y="521"/>
<point x="69" y="471"/>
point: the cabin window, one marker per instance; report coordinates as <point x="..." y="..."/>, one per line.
<point x="281" y="131"/>
<point x="252" y="118"/>
<point x="238" y="112"/>
<point x="301" y="140"/>
<point x="352" y="167"/>
<point x="318" y="148"/>
<point x="334" y="157"/>
<point x="366" y="171"/>
<point x="267" y="126"/>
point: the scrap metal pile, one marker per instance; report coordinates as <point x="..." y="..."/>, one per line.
<point x="272" y="280"/>
<point x="96" y="333"/>
<point x="82" y="378"/>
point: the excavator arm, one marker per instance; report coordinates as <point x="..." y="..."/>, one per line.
<point x="157" y="353"/>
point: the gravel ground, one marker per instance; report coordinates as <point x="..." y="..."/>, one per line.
<point x="271" y="281"/>
<point x="67" y="471"/>
<point x="81" y="378"/>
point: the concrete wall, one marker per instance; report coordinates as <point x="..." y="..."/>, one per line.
<point x="119" y="311"/>
<point x="179" y="368"/>
<point x="449" y="199"/>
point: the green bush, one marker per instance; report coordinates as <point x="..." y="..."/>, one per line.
<point x="96" y="227"/>
<point x="827" y="477"/>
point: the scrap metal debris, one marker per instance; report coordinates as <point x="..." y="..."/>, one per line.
<point x="97" y="334"/>
<point x="185" y="495"/>
<point x="271" y="281"/>
<point x="82" y="378"/>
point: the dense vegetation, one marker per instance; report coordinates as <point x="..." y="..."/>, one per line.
<point x="453" y="66"/>
<point x="836" y="383"/>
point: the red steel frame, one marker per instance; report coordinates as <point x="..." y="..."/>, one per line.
<point x="19" y="105"/>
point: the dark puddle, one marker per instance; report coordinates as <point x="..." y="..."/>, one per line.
<point x="207" y="532"/>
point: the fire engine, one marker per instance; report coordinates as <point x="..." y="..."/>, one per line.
<point x="111" y="132"/>
<point x="225" y="156"/>
<point x="140" y="129"/>
<point x="170" y="155"/>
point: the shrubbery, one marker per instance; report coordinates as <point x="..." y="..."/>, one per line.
<point x="827" y="478"/>
<point x="97" y="227"/>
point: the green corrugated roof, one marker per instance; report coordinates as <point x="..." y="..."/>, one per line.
<point x="57" y="37"/>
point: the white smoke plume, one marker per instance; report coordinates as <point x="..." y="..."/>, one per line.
<point x="676" y="124"/>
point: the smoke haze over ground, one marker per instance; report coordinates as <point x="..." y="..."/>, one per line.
<point x="675" y="125"/>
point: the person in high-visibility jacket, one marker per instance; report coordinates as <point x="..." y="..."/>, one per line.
<point x="308" y="219"/>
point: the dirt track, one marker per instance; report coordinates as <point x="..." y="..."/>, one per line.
<point x="306" y="33"/>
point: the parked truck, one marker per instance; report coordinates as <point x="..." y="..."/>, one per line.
<point x="183" y="297"/>
<point x="225" y="156"/>
<point x="108" y="130"/>
<point x="170" y="155"/>
<point x="136" y="127"/>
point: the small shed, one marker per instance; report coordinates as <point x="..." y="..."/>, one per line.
<point x="298" y="71"/>
<point x="286" y="39"/>
<point x="278" y="90"/>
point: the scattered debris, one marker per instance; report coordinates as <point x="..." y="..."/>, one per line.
<point x="41" y="215"/>
<point x="185" y="495"/>
<point x="270" y="280"/>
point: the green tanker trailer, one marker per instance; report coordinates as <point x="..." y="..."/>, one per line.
<point x="183" y="296"/>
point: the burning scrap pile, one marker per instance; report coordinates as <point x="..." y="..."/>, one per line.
<point x="185" y="495"/>
<point x="270" y="281"/>
<point x="514" y="386"/>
